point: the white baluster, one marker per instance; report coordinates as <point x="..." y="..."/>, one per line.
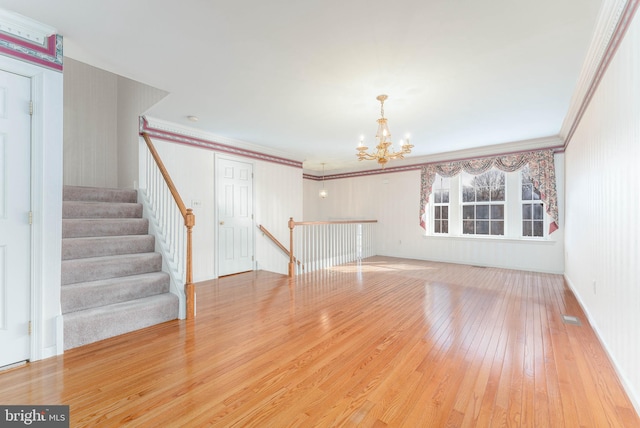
<point x="325" y="248"/>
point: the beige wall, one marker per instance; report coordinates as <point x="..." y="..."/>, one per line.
<point x="101" y="111"/>
<point x="90" y="125"/>
<point x="134" y="99"/>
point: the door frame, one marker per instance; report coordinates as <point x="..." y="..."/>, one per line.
<point x="24" y="186"/>
<point x="216" y="158"/>
<point x="46" y="205"/>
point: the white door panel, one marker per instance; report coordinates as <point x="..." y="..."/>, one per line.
<point x="15" y="204"/>
<point x="235" y="216"/>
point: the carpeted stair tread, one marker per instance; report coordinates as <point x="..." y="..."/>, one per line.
<point x="95" y="268"/>
<point x="86" y="295"/>
<point x="80" y="248"/>
<point x="91" y="325"/>
<point x="81" y="193"/>
<point x="83" y="209"/>
<point x="77" y="228"/>
<point x="112" y="280"/>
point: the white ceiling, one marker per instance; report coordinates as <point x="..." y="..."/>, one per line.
<point x="302" y="76"/>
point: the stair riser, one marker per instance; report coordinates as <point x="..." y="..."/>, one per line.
<point x="83" y="270"/>
<point x="86" y="295"/>
<point x="73" y="209"/>
<point x="77" y="193"/>
<point x="115" y="227"/>
<point x="112" y="280"/>
<point x="83" y="327"/>
<point x="111" y="246"/>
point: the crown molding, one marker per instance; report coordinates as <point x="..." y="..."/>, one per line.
<point x="613" y="20"/>
<point x="362" y="173"/>
<point x="30" y="41"/>
<point x="553" y="142"/>
<point x="25" y="28"/>
<point x="172" y="132"/>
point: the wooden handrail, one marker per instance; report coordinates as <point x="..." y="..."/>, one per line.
<point x="278" y="243"/>
<point x="165" y="175"/>
<point x="313" y="223"/>
<point x="292" y="224"/>
<point x="189" y="222"/>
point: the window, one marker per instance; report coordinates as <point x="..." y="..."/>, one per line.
<point x="441" y="205"/>
<point x="483" y="198"/>
<point x="532" y="207"/>
<point x="491" y="205"/>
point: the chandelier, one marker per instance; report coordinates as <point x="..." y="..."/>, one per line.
<point x="384" y="149"/>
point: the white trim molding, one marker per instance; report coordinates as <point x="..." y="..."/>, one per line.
<point x="25" y="28"/>
<point x="626" y="383"/>
<point x="46" y="203"/>
<point x="30" y="41"/>
<point x="613" y="21"/>
<point x="183" y="135"/>
<point x="553" y="143"/>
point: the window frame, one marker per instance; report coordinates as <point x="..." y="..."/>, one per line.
<point x="513" y="213"/>
<point x="490" y="203"/>
<point x="533" y="202"/>
<point x="435" y="205"/>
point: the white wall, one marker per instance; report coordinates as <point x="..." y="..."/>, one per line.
<point x="278" y="196"/>
<point x="349" y="198"/>
<point x="603" y="211"/>
<point x="101" y="111"/>
<point x="394" y="200"/>
<point x="191" y="170"/>
<point x="277" y="193"/>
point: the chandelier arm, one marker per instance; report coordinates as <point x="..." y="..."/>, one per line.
<point x="384" y="149"/>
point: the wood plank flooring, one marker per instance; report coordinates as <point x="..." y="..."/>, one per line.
<point x="388" y="343"/>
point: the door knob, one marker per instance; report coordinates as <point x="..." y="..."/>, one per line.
<point x="221" y="223"/>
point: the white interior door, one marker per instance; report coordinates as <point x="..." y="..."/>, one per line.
<point x="235" y="216"/>
<point x="15" y="229"/>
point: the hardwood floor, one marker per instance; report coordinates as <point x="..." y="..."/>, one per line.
<point x="390" y="342"/>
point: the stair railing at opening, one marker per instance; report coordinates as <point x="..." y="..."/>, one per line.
<point x="322" y="244"/>
<point x="279" y="245"/>
<point x="159" y="192"/>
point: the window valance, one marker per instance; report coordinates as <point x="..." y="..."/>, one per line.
<point x="541" y="169"/>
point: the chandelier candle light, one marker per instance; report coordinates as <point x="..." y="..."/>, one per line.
<point x="323" y="191"/>
<point x="384" y="149"/>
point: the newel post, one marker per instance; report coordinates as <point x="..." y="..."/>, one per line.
<point x="189" y="288"/>
<point x="291" y="258"/>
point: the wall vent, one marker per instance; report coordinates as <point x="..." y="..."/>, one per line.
<point x="569" y="319"/>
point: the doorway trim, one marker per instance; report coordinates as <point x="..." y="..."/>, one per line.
<point x="46" y="205"/>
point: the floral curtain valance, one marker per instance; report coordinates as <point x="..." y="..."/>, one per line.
<point x="541" y="169"/>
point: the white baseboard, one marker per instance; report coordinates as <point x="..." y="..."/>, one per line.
<point x="628" y="387"/>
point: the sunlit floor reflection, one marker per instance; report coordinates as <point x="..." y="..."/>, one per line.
<point x="380" y="266"/>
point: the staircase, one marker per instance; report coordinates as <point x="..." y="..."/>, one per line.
<point x="112" y="280"/>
